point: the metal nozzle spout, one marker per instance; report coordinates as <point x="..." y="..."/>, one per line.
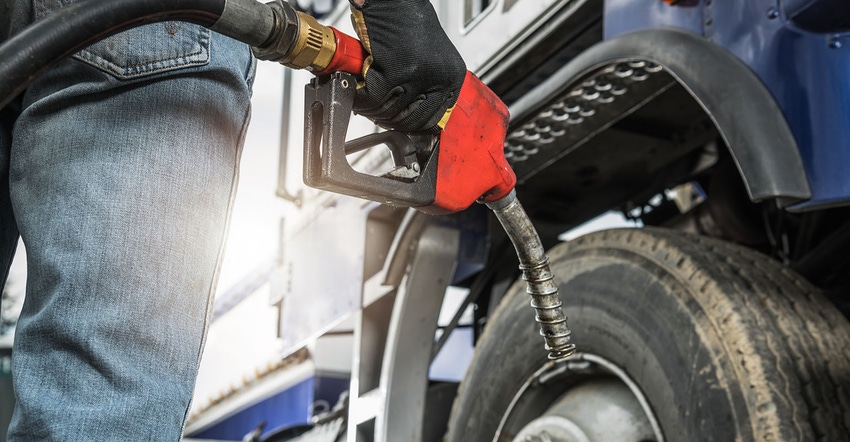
<point x="535" y="270"/>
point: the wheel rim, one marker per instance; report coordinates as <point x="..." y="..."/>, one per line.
<point x="583" y="399"/>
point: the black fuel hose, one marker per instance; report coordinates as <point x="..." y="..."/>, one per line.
<point x="71" y="28"/>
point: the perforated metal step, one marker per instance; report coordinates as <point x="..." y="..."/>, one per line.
<point x="580" y="111"/>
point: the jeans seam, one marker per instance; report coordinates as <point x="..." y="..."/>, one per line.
<point x="220" y="255"/>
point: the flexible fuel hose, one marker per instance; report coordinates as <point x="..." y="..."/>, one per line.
<point x="540" y="283"/>
<point x="80" y="24"/>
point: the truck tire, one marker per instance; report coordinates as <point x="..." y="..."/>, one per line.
<point x="682" y="337"/>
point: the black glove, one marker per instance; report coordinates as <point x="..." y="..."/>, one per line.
<point x="414" y="73"/>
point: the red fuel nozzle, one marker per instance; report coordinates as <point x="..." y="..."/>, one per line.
<point x="472" y="162"/>
<point x="468" y="164"/>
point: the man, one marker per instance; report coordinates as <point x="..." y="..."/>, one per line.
<point x="118" y="168"/>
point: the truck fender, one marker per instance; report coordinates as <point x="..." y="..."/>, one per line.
<point x="745" y="113"/>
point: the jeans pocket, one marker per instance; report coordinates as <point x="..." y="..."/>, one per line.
<point x="145" y="50"/>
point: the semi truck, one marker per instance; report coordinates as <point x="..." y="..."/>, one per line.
<point x="719" y="131"/>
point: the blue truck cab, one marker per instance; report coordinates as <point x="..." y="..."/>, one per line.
<point x="798" y="51"/>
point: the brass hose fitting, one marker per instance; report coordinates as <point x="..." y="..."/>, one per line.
<point x="314" y="47"/>
<point x="298" y="40"/>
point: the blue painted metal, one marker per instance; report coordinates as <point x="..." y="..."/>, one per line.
<point x="285" y="408"/>
<point x="451" y="363"/>
<point x="818" y="15"/>
<point x="474" y="242"/>
<point x="289" y="407"/>
<point x="807" y="73"/>
<point x="474" y="239"/>
<point x="622" y="16"/>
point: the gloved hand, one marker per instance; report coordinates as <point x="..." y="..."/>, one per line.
<point x="413" y="75"/>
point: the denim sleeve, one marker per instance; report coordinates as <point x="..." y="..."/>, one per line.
<point x="122" y="167"/>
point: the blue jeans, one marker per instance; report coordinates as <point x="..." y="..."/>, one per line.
<point x="118" y="169"/>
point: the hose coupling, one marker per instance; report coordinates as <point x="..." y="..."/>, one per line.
<point x="298" y="40"/>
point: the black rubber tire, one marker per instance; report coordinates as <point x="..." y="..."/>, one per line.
<point x="724" y="343"/>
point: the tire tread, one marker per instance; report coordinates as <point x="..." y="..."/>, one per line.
<point x="789" y="344"/>
<point x="812" y="332"/>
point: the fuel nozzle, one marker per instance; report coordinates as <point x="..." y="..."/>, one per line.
<point x="299" y="41"/>
<point x="466" y="165"/>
